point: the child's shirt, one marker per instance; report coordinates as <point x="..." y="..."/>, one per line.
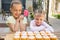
<point x="42" y="27"/>
<point x="13" y="21"/>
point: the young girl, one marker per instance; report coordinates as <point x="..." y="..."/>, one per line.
<point x="38" y="23"/>
<point x="16" y="22"/>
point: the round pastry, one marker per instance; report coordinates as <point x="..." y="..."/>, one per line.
<point x="36" y="32"/>
<point x="16" y="38"/>
<point x="50" y="34"/>
<point x="39" y="37"/>
<point x="53" y="37"/>
<point x="24" y="37"/>
<point x="31" y="38"/>
<point x="30" y="33"/>
<point x="46" y="38"/>
<point x="24" y="33"/>
<point x="17" y="34"/>
<point x="42" y="33"/>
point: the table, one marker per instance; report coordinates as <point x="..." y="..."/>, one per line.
<point x="10" y="36"/>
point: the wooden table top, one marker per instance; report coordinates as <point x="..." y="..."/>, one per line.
<point x="10" y="36"/>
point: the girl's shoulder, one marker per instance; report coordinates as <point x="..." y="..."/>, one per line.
<point x="10" y="17"/>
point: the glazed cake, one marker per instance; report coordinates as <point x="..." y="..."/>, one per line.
<point x="23" y="33"/>
<point x="16" y="38"/>
<point x="36" y="32"/>
<point x="39" y="37"/>
<point x="30" y="33"/>
<point x="53" y="37"/>
<point x="46" y="38"/>
<point x="31" y="38"/>
<point x="24" y="37"/>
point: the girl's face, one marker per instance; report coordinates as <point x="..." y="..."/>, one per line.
<point x="39" y="20"/>
<point x="16" y="10"/>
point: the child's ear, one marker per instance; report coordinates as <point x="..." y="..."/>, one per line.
<point x="34" y="16"/>
<point x="10" y="10"/>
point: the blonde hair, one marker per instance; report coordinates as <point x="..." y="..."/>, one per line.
<point x="39" y="13"/>
<point x="15" y="2"/>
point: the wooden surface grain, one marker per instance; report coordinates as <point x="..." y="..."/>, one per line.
<point x="9" y="37"/>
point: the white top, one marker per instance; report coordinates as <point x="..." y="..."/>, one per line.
<point x="30" y="33"/>
<point x="36" y="32"/>
<point x="24" y="33"/>
<point x="31" y="37"/>
<point x="43" y="26"/>
<point x="16" y="36"/>
<point x="45" y="37"/>
<point x="23" y="36"/>
<point x="17" y="33"/>
<point x="53" y="36"/>
<point x="11" y="19"/>
<point x="38" y="36"/>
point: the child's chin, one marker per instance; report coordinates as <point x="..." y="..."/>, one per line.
<point x="38" y="24"/>
<point x="16" y="16"/>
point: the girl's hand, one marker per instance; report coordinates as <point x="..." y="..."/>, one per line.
<point x="21" y="17"/>
<point x="18" y="20"/>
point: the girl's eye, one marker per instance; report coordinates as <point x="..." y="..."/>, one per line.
<point x="41" y="19"/>
<point x="37" y="19"/>
<point x="19" y="10"/>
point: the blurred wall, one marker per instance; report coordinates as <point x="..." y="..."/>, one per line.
<point x="0" y="5"/>
<point x="29" y="3"/>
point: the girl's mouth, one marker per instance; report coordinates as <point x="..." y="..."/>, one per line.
<point x="16" y="14"/>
